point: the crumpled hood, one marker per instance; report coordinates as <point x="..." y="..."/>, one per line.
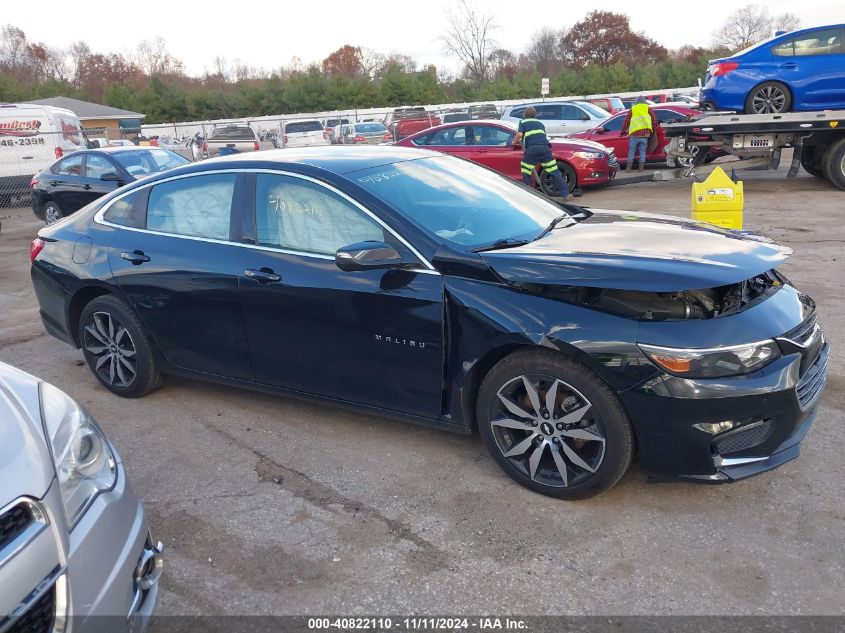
<point x="638" y="251"/>
<point x="26" y="467"/>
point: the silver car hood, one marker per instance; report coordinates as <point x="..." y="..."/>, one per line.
<point x="26" y="467"/>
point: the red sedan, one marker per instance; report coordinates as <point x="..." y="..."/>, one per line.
<point x="610" y="133"/>
<point x="490" y="143"/>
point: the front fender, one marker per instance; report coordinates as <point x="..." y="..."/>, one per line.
<point x="488" y="320"/>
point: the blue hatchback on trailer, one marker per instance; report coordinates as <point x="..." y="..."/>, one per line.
<point x="797" y="71"/>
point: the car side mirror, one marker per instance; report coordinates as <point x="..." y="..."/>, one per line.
<point x="111" y="176"/>
<point x="600" y="130"/>
<point x="367" y="255"/>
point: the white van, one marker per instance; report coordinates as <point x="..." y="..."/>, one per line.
<point x="32" y="137"/>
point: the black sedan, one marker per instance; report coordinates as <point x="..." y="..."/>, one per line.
<point x="81" y="177"/>
<point x="412" y="284"/>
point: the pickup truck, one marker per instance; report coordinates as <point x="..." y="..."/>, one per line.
<point x="232" y="137"/>
<point x="404" y="122"/>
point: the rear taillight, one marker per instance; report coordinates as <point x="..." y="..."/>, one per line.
<point x="33" y="182"/>
<point x="285" y="139"/>
<point x="387" y="136"/>
<point x="205" y="148"/>
<point x="255" y="146"/>
<point x="36" y="247"/>
<point x="325" y="135"/>
<point x="360" y="139"/>
<point x="59" y="152"/>
<point x="723" y="68"/>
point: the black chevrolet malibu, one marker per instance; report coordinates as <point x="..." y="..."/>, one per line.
<point x="416" y="285"/>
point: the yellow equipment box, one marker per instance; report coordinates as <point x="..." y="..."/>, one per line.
<point x="718" y="200"/>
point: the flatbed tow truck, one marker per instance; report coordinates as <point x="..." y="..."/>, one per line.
<point x="756" y="141"/>
<point x="817" y="139"/>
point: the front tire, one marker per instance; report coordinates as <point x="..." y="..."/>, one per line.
<point x="52" y="212"/>
<point x="547" y="185"/>
<point x="117" y="348"/>
<point x="770" y="97"/>
<point x="553" y="426"/>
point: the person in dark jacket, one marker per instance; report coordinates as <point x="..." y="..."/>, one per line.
<point x="532" y="135"/>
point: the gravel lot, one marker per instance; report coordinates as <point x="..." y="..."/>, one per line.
<point x="272" y="506"/>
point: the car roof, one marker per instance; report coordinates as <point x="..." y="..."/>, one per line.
<point x="445" y="126"/>
<point x="340" y="159"/>
<point x="118" y="149"/>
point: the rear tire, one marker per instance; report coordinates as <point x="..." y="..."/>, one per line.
<point x="117" y="349"/>
<point x="770" y="97"/>
<point x="52" y="212"/>
<point x="553" y="426"/>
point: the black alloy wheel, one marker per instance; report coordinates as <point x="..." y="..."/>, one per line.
<point x="116" y="348"/>
<point x="770" y="97"/>
<point x="547" y="184"/>
<point x="553" y="426"/>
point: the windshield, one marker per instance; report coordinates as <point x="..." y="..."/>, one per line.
<point x="594" y="110"/>
<point x="458" y="201"/>
<point x="151" y="161"/>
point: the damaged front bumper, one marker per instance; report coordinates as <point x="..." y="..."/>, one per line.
<point x="722" y="430"/>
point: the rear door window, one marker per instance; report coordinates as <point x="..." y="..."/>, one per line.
<point x="300" y="215"/>
<point x="827" y="42"/>
<point x="97" y="165"/>
<point x="549" y="112"/>
<point x="70" y="166"/>
<point x="198" y="206"/>
<point x="448" y="136"/>
<point x="489" y="136"/>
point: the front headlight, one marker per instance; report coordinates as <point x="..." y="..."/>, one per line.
<point x="85" y="463"/>
<point x="589" y="155"/>
<point x="715" y="362"/>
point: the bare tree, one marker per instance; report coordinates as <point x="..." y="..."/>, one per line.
<point x="787" y="22"/>
<point x="503" y="64"/>
<point x="750" y="25"/>
<point x="154" y="59"/>
<point x="543" y="52"/>
<point x="468" y="37"/>
<point x="371" y="62"/>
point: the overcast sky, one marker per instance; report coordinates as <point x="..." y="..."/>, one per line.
<point x="270" y="34"/>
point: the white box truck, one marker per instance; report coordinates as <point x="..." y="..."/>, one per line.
<point x="31" y="138"/>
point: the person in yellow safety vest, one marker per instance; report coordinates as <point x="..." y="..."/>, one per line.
<point x="537" y="149"/>
<point x="639" y="124"/>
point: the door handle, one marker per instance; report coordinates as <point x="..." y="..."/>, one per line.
<point x="136" y="257"/>
<point x="789" y="66"/>
<point x="86" y="187"/>
<point x="262" y="276"/>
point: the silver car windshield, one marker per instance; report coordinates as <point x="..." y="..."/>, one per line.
<point x="457" y="201"/>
